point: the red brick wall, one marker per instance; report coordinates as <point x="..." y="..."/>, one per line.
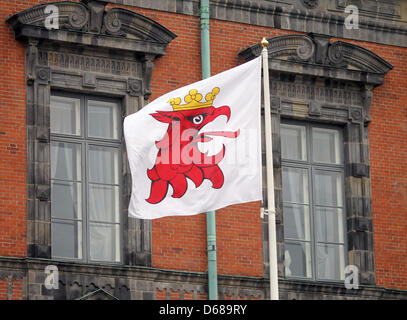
<point x="3" y="289"/>
<point x="388" y="160"/>
<point x="16" y="289"/>
<point x="388" y="156"/>
<point x="180" y="242"/>
<point x="12" y="136"/>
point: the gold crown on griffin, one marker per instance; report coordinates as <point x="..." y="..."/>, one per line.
<point x="193" y="100"/>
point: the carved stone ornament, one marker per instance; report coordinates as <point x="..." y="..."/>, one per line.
<point x="43" y="74"/>
<point x="315" y="49"/>
<point x="355" y="114"/>
<point x="89" y="80"/>
<point x="134" y="87"/>
<point x="112" y="23"/>
<point x="335" y="53"/>
<point x="310" y="4"/>
<point x="79" y="17"/>
<point x="295" y="47"/>
<point x="314" y="108"/>
<point x="43" y="192"/>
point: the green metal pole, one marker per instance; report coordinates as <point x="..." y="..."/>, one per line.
<point x="210" y="215"/>
<point x="212" y="263"/>
<point x="205" y="47"/>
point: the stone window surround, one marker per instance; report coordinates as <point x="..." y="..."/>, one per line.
<point x="94" y="51"/>
<point x="313" y="79"/>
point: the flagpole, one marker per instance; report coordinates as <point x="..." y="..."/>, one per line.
<point x="210" y="215"/>
<point x="271" y="211"/>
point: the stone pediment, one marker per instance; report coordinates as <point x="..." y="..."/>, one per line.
<point x="88" y="22"/>
<point x="317" y="52"/>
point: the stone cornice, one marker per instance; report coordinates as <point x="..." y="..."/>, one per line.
<point x="87" y="23"/>
<point x="315" y="55"/>
<point x="18" y="268"/>
<point x="286" y="17"/>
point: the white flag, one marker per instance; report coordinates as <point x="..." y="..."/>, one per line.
<point x="197" y="148"/>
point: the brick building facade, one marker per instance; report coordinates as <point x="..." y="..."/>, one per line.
<point x="322" y="76"/>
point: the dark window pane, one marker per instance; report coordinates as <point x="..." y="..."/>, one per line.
<point x="328" y="188"/>
<point x="66" y="161"/>
<point x="329" y="224"/>
<point x="104" y="242"/>
<point x="330" y="262"/>
<point x="293" y="142"/>
<point x="103" y="203"/>
<point x="66" y="200"/>
<point x="297" y="259"/>
<point x="103" y="165"/>
<point x="65" y="115"/>
<point x="66" y="239"/>
<point x="295" y="185"/>
<point x="326" y="146"/>
<point x="103" y="119"/>
<point x="296" y="222"/>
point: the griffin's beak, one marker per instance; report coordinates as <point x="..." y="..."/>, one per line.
<point x="221" y="111"/>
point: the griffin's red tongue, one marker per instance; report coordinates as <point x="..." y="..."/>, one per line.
<point x="227" y="134"/>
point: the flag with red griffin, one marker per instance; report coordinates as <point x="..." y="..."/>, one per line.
<point x="200" y="152"/>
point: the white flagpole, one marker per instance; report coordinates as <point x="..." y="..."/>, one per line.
<point x="271" y="211"/>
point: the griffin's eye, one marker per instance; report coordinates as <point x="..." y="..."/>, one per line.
<point x="198" y="119"/>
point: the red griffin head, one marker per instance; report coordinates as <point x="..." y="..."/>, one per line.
<point x="178" y="156"/>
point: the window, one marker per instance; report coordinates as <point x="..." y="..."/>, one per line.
<point x="313" y="201"/>
<point x="85" y="178"/>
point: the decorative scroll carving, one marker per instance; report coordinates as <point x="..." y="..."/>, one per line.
<point x="335" y="53"/>
<point x="119" y="21"/>
<point x="79" y="17"/>
<point x="112" y="23"/>
<point x="305" y="50"/>
<point x="296" y="46"/>
<point x="71" y="15"/>
<point x="344" y="53"/>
